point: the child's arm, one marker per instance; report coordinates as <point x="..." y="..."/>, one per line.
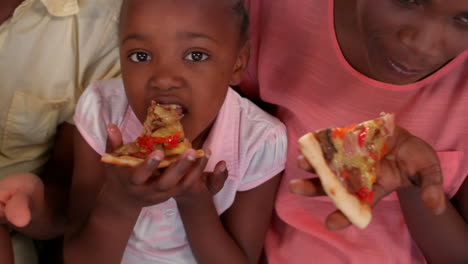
<point x="100" y="222"/>
<point x="239" y="235"/>
<point x="106" y="200"/>
<point x="6" y="251"/>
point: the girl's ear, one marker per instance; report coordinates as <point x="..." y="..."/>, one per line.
<point x="241" y="64"/>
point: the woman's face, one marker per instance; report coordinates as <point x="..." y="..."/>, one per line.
<point x="407" y="40"/>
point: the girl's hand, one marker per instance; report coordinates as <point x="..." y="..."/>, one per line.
<point x="197" y="184"/>
<point x="409" y="162"/>
<point x="146" y="185"/>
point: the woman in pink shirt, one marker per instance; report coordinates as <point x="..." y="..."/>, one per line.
<point x="336" y="62"/>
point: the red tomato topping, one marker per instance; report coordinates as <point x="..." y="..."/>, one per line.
<point x="172" y="141"/>
<point x="384" y="150"/>
<point x="345" y="174"/>
<point x="146" y="142"/>
<point x="340" y="132"/>
<point x="362" y="136"/>
<point x="365" y="195"/>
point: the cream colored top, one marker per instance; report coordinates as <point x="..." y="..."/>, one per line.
<point x="50" y="50"/>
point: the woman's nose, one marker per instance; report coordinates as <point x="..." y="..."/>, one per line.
<point x="424" y="39"/>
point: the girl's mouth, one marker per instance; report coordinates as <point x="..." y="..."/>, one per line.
<point x="178" y="108"/>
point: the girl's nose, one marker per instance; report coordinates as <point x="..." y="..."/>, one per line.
<point x="166" y="78"/>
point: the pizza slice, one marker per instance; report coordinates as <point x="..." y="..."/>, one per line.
<point x="162" y="130"/>
<point x="346" y="161"/>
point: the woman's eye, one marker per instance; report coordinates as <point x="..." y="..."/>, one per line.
<point x="196" y="56"/>
<point x="410" y="2"/>
<point x="139" y="57"/>
<point x="463" y="20"/>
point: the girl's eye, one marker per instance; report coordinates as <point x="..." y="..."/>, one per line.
<point x="196" y="56"/>
<point x="139" y="56"/>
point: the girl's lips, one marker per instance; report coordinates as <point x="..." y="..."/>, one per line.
<point x="401" y="69"/>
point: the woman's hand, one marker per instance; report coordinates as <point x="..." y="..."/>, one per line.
<point x="410" y="161"/>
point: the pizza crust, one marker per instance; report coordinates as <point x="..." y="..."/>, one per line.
<point x="357" y="212"/>
<point x="133" y="161"/>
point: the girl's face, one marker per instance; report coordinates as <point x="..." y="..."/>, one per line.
<point x="182" y="52"/>
<point x="407" y="40"/>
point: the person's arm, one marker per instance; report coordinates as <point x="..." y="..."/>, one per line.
<point x="106" y="200"/>
<point x="412" y="169"/>
<point x="99" y="225"/>
<point x="35" y="206"/>
<point x="239" y="235"/>
<point x="6" y="251"/>
<point x="442" y="238"/>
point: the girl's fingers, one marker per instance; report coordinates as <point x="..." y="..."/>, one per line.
<point x="174" y="173"/>
<point x="145" y="170"/>
<point x="306" y="187"/>
<point x="196" y="171"/>
<point x="215" y="181"/>
<point x="114" y="138"/>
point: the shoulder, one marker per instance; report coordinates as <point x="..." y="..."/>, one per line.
<point x="102" y="103"/>
<point x="103" y="99"/>
<point x="262" y="144"/>
<point x="257" y="123"/>
<point x="97" y="23"/>
<point x="109" y="8"/>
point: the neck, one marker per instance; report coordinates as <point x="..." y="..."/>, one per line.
<point x="7" y="7"/>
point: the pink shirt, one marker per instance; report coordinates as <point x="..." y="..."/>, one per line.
<point x="252" y="143"/>
<point x="297" y="65"/>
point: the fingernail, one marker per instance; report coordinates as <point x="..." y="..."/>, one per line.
<point x="300" y="157"/>
<point x="207" y="153"/>
<point x="191" y="154"/>
<point x="157" y="157"/>
<point x="222" y="167"/>
<point x="294" y="181"/>
<point x="110" y="128"/>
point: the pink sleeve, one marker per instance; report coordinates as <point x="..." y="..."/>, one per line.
<point x="267" y="160"/>
<point x="90" y="120"/>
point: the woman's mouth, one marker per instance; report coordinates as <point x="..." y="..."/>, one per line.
<point x="401" y="69"/>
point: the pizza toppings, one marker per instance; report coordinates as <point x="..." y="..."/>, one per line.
<point x="352" y="153"/>
<point x="346" y="160"/>
<point x="162" y="130"/>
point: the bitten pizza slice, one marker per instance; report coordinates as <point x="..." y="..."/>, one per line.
<point x="162" y="130"/>
<point x="346" y="161"/>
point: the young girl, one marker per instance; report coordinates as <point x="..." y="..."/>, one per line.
<point x="183" y="52"/>
<point x="344" y="61"/>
